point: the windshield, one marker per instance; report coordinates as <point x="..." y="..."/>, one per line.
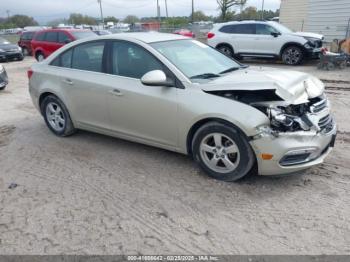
<point x="195" y="59"/>
<point x="82" y="34"/>
<point x="3" y="41"/>
<point x="281" y="28"/>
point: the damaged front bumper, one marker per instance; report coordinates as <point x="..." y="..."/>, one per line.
<point x="292" y="151"/>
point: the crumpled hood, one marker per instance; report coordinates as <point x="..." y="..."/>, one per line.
<point x="307" y="34"/>
<point x="292" y="86"/>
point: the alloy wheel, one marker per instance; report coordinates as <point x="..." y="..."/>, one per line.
<point x="55" y="116"/>
<point x="292" y="56"/>
<point x="219" y="153"/>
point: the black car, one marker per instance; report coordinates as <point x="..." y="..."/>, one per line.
<point x="3" y="78"/>
<point x="9" y="51"/>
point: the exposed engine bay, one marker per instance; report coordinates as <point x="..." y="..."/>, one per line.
<point x="284" y="117"/>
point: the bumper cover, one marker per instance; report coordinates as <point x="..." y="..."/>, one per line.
<point x="12" y="55"/>
<point x="318" y="144"/>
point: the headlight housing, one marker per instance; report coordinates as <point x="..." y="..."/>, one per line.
<point x="2" y="50"/>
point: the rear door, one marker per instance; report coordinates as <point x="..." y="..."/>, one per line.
<point x="82" y="79"/>
<point x="241" y="37"/>
<point x="51" y="43"/>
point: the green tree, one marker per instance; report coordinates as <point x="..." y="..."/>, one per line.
<point x="22" y="21"/>
<point x="131" y="19"/>
<point x="200" y="16"/>
<point x="79" y="19"/>
<point x="111" y="19"/>
<point x="226" y="5"/>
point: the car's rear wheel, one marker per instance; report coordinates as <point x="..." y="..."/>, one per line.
<point x="292" y="55"/>
<point x="40" y="57"/>
<point x="226" y="50"/>
<point x="56" y="116"/>
<point x="25" y="51"/>
<point x="222" y="151"/>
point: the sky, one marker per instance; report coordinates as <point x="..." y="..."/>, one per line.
<point x="46" y="10"/>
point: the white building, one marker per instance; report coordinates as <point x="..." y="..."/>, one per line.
<point x="328" y="17"/>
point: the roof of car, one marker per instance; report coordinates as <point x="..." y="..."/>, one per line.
<point x="243" y="22"/>
<point x="148" y="37"/>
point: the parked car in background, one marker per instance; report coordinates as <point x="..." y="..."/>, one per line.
<point x="46" y="42"/>
<point x="3" y="78"/>
<point x="265" y="39"/>
<point x="9" y="51"/>
<point x="179" y="94"/>
<point x="102" y="32"/>
<point x="25" y="42"/>
<point x="185" y="32"/>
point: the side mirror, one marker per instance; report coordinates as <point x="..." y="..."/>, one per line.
<point x="67" y="41"/>
<point x="274" y="34"/>
<point x="156" y="78"/>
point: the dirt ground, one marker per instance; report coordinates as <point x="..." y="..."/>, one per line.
<point x="92" y="194"/>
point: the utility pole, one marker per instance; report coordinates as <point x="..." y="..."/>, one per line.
<point x="262" y="9"/>
<point x="8" y="14"/>
<point x="158" y="10"/>
<point x="192" y="11"/>
<point x="166" y="9"/>
<point x="102" y="19"/>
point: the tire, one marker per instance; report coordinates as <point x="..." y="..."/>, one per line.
<point x="39" y="56"/>
<point x="2" y="88"/>
<point x="25" y="51"/>
<point x="292" y="55"/>
<point x="223" y="152"/>
<point x="56" y="116"/>
<point x="226" y="50"/>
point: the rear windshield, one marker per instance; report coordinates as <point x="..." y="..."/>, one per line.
<point x="82" y="34"/>
<point x="27" y="36"/>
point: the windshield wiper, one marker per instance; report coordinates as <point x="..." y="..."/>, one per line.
<point x="205" y="76"/>
<point x="230" y="70"/>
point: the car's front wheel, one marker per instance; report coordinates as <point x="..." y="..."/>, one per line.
<point x="40" y="57"/>
<point x="292" y="55"/>
<point x="222" y="151"/>
<point x="56" y="116"/>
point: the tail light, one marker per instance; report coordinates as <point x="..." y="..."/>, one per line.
<point x="210" y="35"/>
<point x="30" y="73"/>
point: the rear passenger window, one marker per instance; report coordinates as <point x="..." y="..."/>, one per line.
<point x="40" y="37"/>
<point x="64" y="60"/>
<point x="88" y="57"/>
<point x="63" y="38"/>
<point x="245" y="29"/>
<point x="51" y="37"/>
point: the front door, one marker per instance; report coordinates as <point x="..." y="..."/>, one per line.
<point x="145" y="113"/>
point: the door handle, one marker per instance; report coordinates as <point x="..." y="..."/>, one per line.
<point x="116" y="92"/>
<point x="68" y="81"/>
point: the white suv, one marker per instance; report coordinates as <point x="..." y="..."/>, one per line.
<point x="264" y="39"/>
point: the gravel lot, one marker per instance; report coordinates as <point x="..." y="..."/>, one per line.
<point x="92" y="194"/>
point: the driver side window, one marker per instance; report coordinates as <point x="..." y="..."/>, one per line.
<point x="265" y="29"/>
<point x="131" y="60"/>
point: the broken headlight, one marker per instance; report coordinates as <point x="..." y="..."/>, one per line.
<point x="287" y="119"/>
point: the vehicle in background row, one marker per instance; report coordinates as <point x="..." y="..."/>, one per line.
<point x="102" y="32"/>
<point x="9" y="51"/>
<point x="46" y="42"/>
<point x="265" y="39"/>
<point x="3" y="78"/>
<point x="179" y="94"/>
<point x="25" y="42"/>
<point x="185" y="32"/>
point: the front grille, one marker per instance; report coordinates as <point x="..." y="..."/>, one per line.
<point x="325" y="122"/>
<point x="319" y="106"/>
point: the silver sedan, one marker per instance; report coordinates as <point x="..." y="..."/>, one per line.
<point x="179" y="94"/>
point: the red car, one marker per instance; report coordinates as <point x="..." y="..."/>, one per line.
<point x="185" y="32"/>
<point x="46" y="42"/>
<point x="25" y="42"/>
